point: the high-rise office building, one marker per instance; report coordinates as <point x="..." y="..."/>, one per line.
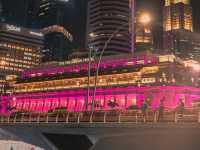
<point x="49" y="16"/>
<point x="20" y="49"/>
<point x="54" y="9"/>
<point x="144" y="35"/>
<point x="58" y="43"/>
<point x="34" y="13"/>
<point x="177" y="14"/>
<point x="178" y="36"/>
<point x="1" y="7"/>
<point x="183" y="43"/>
<point x="67" y="13"/>
<point x="1" y="12"/>
<point x="104" y="18"/>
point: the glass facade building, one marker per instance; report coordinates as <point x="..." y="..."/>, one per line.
<point x="58" y="43"/>
<point x="178" y="36"/>
<point x="104" y="18"/>
<point x="177" y="14"/>
<point x="20" y="48"/>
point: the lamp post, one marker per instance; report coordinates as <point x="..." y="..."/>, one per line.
<point x="92" y="49"/>
<point x="99" y="62"/>
<point x="104" y="48"/>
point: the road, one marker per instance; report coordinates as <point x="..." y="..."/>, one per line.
<point x="174" y="136"/>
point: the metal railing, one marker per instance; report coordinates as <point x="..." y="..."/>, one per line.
<point x="149" y="116"/>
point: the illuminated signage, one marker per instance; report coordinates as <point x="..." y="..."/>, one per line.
<point x="36" y="33"/>
<point x="13" y="28"/>
<point x="76" y="61"/>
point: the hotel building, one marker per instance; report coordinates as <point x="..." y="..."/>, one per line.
<point x="126" y="80"/>
<point x="179" y="37"/>
<point x="20" y="49"/>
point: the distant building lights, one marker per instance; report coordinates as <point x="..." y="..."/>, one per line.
<point x="36" y="33"/>
<point x="92" y="35"/>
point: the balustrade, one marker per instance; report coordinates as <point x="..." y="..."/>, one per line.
<point x="136" y="116"/>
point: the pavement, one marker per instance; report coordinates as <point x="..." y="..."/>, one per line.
<point x="161" y="136"/>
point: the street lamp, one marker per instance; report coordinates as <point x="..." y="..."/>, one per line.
<point x="99" y="62"/>
<point x="92" y="50"/>
<point x="145" y="19"/>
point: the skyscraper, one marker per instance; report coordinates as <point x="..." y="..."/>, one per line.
<point x="20" y="49"/>
<point x="58" y="44"/>
<point x="49" y="12"/>
<point x="178" y="36"/>
<point x="104" y="18"/>
<point x="144" y="36"/>
<point x="177" y="14"/>
<point x="50" y="16"/>
<point x="1" y="11"/>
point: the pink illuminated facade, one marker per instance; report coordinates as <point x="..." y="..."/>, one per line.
<point x="125" y="97"/>
<point x="128" y="83"/>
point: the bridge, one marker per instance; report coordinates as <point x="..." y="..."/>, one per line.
<point x="108" y="129"/>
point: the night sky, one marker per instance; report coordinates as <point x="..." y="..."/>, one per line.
<point x="152" y="6"/>
<point x="75" y="21"/>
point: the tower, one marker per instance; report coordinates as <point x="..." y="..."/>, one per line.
<point x="51" y="12"/>
<point x="103" y="19"/>
<point x="177" y="14"/>
<point x="177" y="20"/>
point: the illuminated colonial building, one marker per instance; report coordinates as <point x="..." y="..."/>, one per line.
<point x="126" y="80"/>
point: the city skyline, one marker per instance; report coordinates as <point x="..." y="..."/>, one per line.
<point x="79" y="13"/>
<point x="110" y="76"/>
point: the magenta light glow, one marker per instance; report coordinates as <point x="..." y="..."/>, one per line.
<point x="75" y="100"/>
<point x="49" y="71"/>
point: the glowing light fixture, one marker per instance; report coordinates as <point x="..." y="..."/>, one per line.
<point x="145" y="18"/>
<point x="92" y="34"/>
